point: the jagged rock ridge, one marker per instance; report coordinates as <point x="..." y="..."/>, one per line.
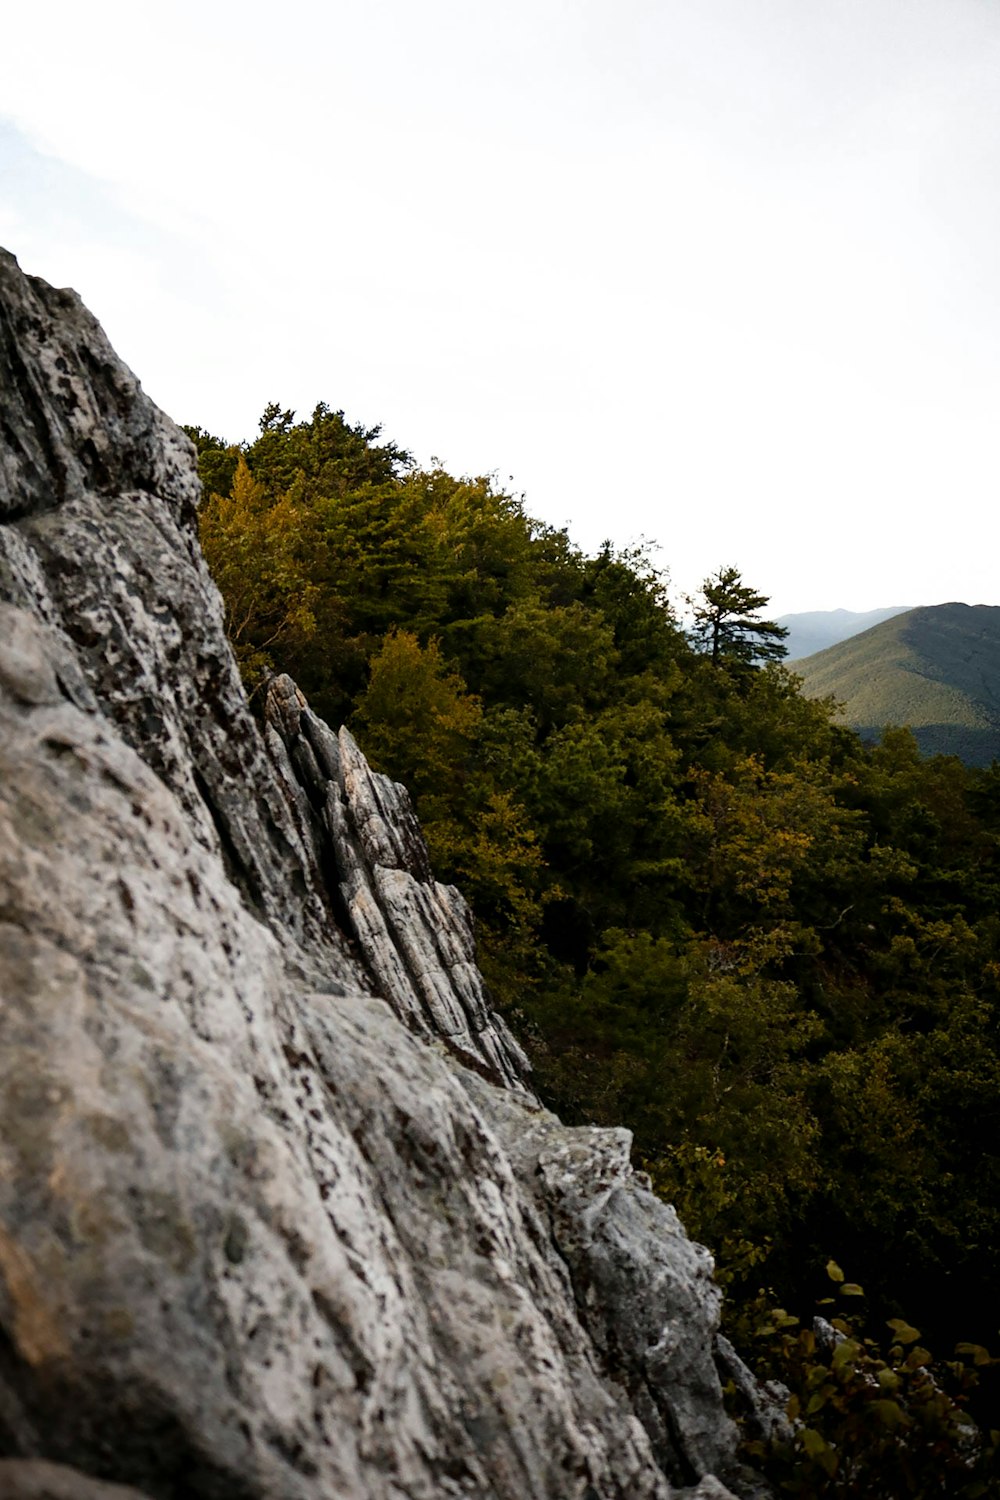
<point x="416" y="936"/>
<point x="258" y="1237"/>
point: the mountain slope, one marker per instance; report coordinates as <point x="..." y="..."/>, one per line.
<point x="936" y="668"/>
<point x="817" y="629"/>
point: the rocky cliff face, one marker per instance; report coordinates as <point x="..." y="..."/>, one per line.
<point x="279" y="1216"/>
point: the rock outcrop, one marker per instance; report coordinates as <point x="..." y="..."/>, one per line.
<point x="279" y="1216"/>
<point x="415" y="935"/>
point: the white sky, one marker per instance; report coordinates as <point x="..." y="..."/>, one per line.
<point x="718" y="272"/>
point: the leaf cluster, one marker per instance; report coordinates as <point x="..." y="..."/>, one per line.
<point x="866" y="1415"/>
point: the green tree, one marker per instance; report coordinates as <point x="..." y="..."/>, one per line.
<point x="727" y="623"/>
<point x="328" y="454"/>
<point x="417" y="720"/>
<point x="217" y="461"/>
<point x="261" y="554"/>
<point x="631" y="594"/>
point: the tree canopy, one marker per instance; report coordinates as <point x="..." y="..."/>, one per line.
<point x="713" y="914"/>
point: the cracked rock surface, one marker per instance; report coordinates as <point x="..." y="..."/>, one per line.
<point x="279" y="1216"/>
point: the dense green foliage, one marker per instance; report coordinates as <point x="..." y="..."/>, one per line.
<point x="714" y="914"/>
<point x="936" y="669"/>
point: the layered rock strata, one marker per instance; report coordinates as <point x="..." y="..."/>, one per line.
<point x="414" y="934"/>
<point x="279" y="1217"/>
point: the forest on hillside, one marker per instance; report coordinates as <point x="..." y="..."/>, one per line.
<point x="709" y="912"/>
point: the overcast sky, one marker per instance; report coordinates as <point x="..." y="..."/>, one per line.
<point x="722" y="273"/>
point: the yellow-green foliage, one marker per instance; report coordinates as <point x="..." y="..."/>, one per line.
<point x="261" y="551"/>
<point x="418" y="719"/>
<point x="714" y="914"/>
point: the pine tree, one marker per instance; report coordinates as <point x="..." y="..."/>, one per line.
<point x="727" y="625"/>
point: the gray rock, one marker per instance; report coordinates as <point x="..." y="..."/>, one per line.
<point x="415" y="935"/>
<point x="643" y="1290"/>
<point x="762" y="1405"/>
<point x="263" y="1234"/>
<point x="101" y="488"/>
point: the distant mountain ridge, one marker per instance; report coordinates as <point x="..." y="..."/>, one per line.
<point x="935" y="668"/>
<point x="817" y="629"/>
